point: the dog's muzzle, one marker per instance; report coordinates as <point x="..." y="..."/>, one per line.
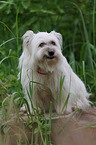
<point x="50" y="55"/>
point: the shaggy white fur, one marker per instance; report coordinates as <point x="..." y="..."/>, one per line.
<point x="42" y="61"/>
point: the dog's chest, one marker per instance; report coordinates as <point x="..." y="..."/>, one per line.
<point x="51" y="82"/>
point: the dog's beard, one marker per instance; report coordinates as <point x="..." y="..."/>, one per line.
<point x="47" y="63"/>
<point x="51" y="61"/>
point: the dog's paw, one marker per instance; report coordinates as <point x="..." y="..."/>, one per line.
<point x="23" y="109"/>
<point x="74" y="108"/>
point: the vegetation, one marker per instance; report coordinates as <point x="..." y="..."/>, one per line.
<point x="75" y="20"/>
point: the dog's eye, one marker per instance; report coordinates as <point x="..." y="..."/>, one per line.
<point x="53" y="43"/>
<point x="41" y="44"/>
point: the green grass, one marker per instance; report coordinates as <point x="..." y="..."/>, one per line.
<point x="84" y="64"/>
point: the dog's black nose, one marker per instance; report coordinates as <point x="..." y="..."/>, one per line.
<point x="51" y="53"/>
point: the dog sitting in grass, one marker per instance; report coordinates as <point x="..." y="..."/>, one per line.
<point x="47" y="77"/>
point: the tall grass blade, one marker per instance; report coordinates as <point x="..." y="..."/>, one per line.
<point x="72" y="62"/>
<point x="83" y="72"/>
<point x="7" y="41"/>
<point x="8" y="28"/>
<point x="90" y="60"/>
<point x="60" y="93"/>
<point x="94" y="9"/>
<point x="8" y="3"/>
<point x="66" y="101"/>
<point x="68" y="120"/>
<point x="17" y="34"/>
<point x="50" y="118"/>
<point x="6" y="57"/>
<point x="86" y="126"/>
<point x="26" y="102"/>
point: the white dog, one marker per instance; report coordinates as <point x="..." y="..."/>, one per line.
<point x="42" y="61"/>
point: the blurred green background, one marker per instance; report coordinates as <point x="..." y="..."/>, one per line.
<point x="74" y="19"/>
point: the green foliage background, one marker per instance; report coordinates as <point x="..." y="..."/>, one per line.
<point x="74" y="19"/>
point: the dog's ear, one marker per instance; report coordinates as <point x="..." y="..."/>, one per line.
<point x="59" y="37"/>
<point x="27" y="38"/>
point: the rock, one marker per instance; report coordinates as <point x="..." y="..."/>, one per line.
<point x="74" y="129"/>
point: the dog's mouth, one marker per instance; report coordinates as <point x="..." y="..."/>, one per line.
<point x="50" y="57"/>
<point x="51" y="60"/>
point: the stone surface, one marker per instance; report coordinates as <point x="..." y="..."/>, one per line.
<point x="75" y="131"/>
<point x="78" y="129"/>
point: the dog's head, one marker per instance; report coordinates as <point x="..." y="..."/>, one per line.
<point x="44" y="49"/>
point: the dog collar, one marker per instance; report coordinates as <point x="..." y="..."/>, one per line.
<point x="41" y="73"/>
